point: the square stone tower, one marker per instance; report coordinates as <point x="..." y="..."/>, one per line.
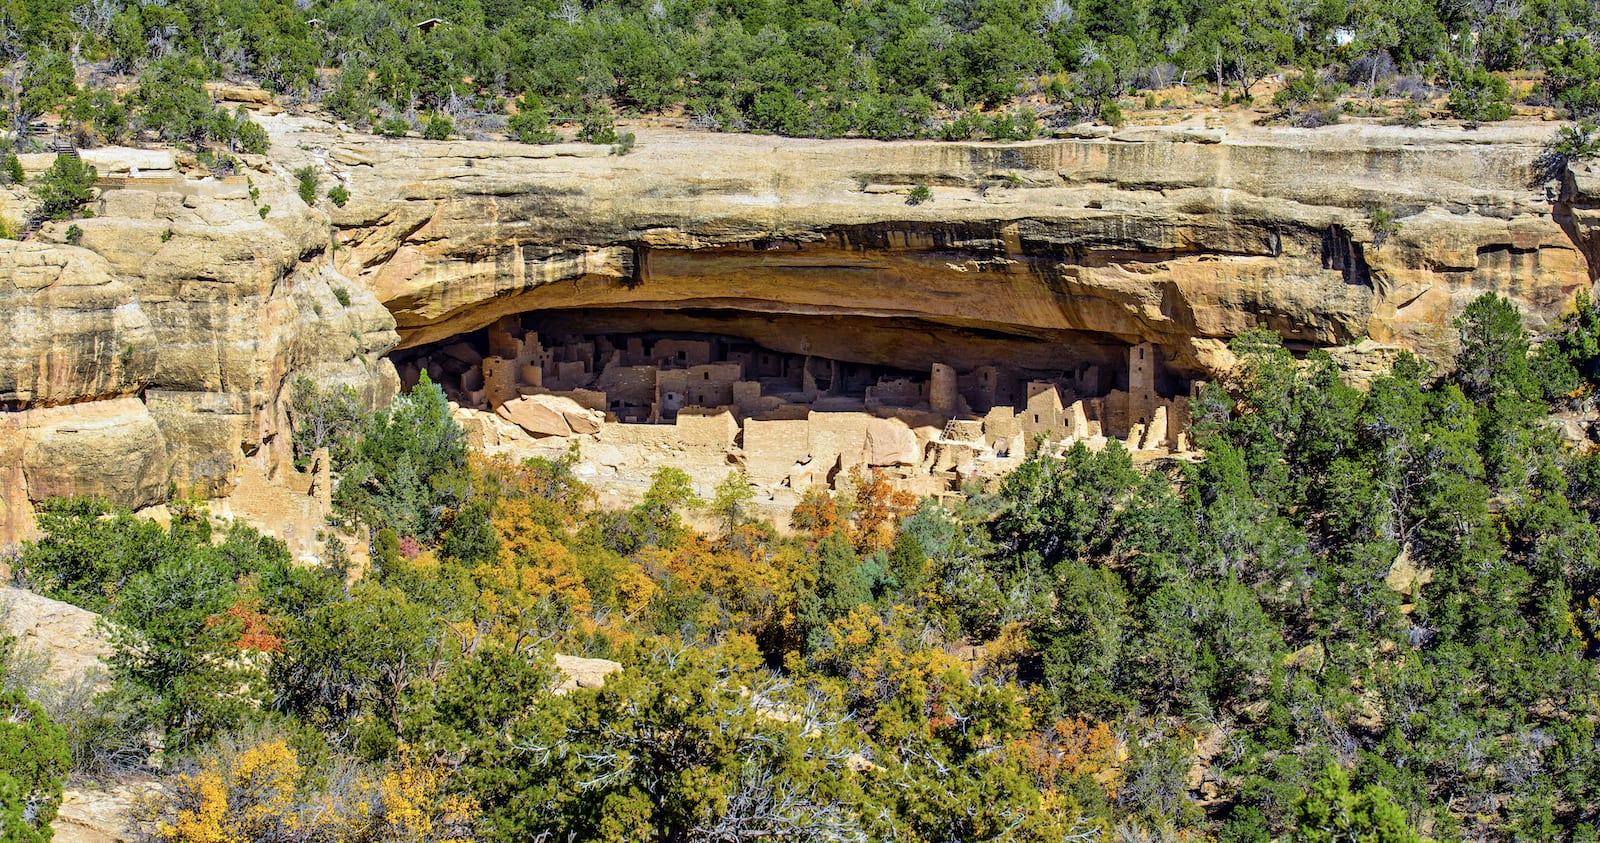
<point x="1141" y="384"/>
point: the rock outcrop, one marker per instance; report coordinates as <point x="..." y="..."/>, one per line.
<point x="157" y="351"/>
<point x="1178" y="236"/>
<point x="68" y="638"/>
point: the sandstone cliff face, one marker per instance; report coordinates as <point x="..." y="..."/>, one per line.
<point x="157" y="351"/>
<point x="1578" y="209"/>
<point x="1178" y="236"/>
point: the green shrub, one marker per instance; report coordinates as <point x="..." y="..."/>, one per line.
<point x="531" y="123"/>
<point x="171" y="100"/>
<point x="339" y="194"/>
<point x="1411" y="115"/>
<point x="74" y="235"/>
<point x="221" y="165"/>
<point x="65" y="188"/>
<point x="342" y="295"/>
<point x="624" y="144"/>
<point x="1111" y="113"/>
<point x="409" y="465"/>
<point x="1302" y="89"/>
<point x="1020" y="125"/>
<point x="394" y="127"/>
<point x="1571" y="143"/>
<point x="325" y="418"/>
<point x="1578" y="141"/>
<point x="264" y="210"/>
<point x="11" y="170"/>
<point x="963" y="127"/>
<point x="34" y="761"/>
<point x="919" y="194"/>
<point x="252" y="138"/>
<point x="1476" y="95"/>
<point x="1572" y="76"/>
<point x="437" y="127"/>
<point x="598" y="127"/>
<point x="1384" y="224"/>
<point x="351" y="98"/>
<point x="309" y="182"/>
<point x="97" y="117"/>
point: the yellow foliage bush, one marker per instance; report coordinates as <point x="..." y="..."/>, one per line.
<point x="261" y="791"/>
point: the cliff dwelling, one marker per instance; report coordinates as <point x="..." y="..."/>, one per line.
<point x="797" y="401"/>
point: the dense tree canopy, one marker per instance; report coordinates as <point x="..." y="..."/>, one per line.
<point x="878" y="68"/>
<point x="1361" y="615"/>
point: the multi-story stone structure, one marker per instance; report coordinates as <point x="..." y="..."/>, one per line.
<point x="796" y="420"/>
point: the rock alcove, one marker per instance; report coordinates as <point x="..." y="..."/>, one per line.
<point x="799" y="398"/>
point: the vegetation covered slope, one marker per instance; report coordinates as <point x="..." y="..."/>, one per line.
<point x="1363" y="615"/>
<point x="879" y="68"/>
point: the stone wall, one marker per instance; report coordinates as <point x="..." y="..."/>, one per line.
<point x="710" y="429"/>
<point x="772" y="447"/>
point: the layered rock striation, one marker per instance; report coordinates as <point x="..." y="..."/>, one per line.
<point x="158" y="351"/>
<point x="1182" y="237"/>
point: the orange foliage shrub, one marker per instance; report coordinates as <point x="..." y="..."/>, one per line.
<point x="878" y="508"/>
<point x="816" y="514"/>
<point x="1074" y="747"/>
<point x="255" y="628"/>
<point x="532" y="570"/>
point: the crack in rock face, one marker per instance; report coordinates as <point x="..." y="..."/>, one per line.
<point x="165" y="341"/>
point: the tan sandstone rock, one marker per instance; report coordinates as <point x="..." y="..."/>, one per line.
<point x="1180" y="237"/>
<point x="550" y="415"/>
<point x="66" y="635"/>
<point x="535" y="417"/>
<point x="579" y="672"/>
<point x="112" y="449"/>
<point x="185" y="293"/>
<point x="891" y="442"/>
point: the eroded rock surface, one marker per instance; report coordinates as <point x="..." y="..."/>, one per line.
<point x="67" y="637"/>
<point x="1178" y="236"/>
<point x="158" y="351"/>
<point x="164" y="343"/>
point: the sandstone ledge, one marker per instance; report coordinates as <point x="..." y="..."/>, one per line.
<point x="189" y="301"/>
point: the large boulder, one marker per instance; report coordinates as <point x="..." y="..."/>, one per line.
<point x="579" y="672"/>
<point x="70" y="639"/>
<point x="110" y="449"/>
<point x="550" y="415"/>
<point x="891" y="442"/>
<point x="535" y="417"/>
